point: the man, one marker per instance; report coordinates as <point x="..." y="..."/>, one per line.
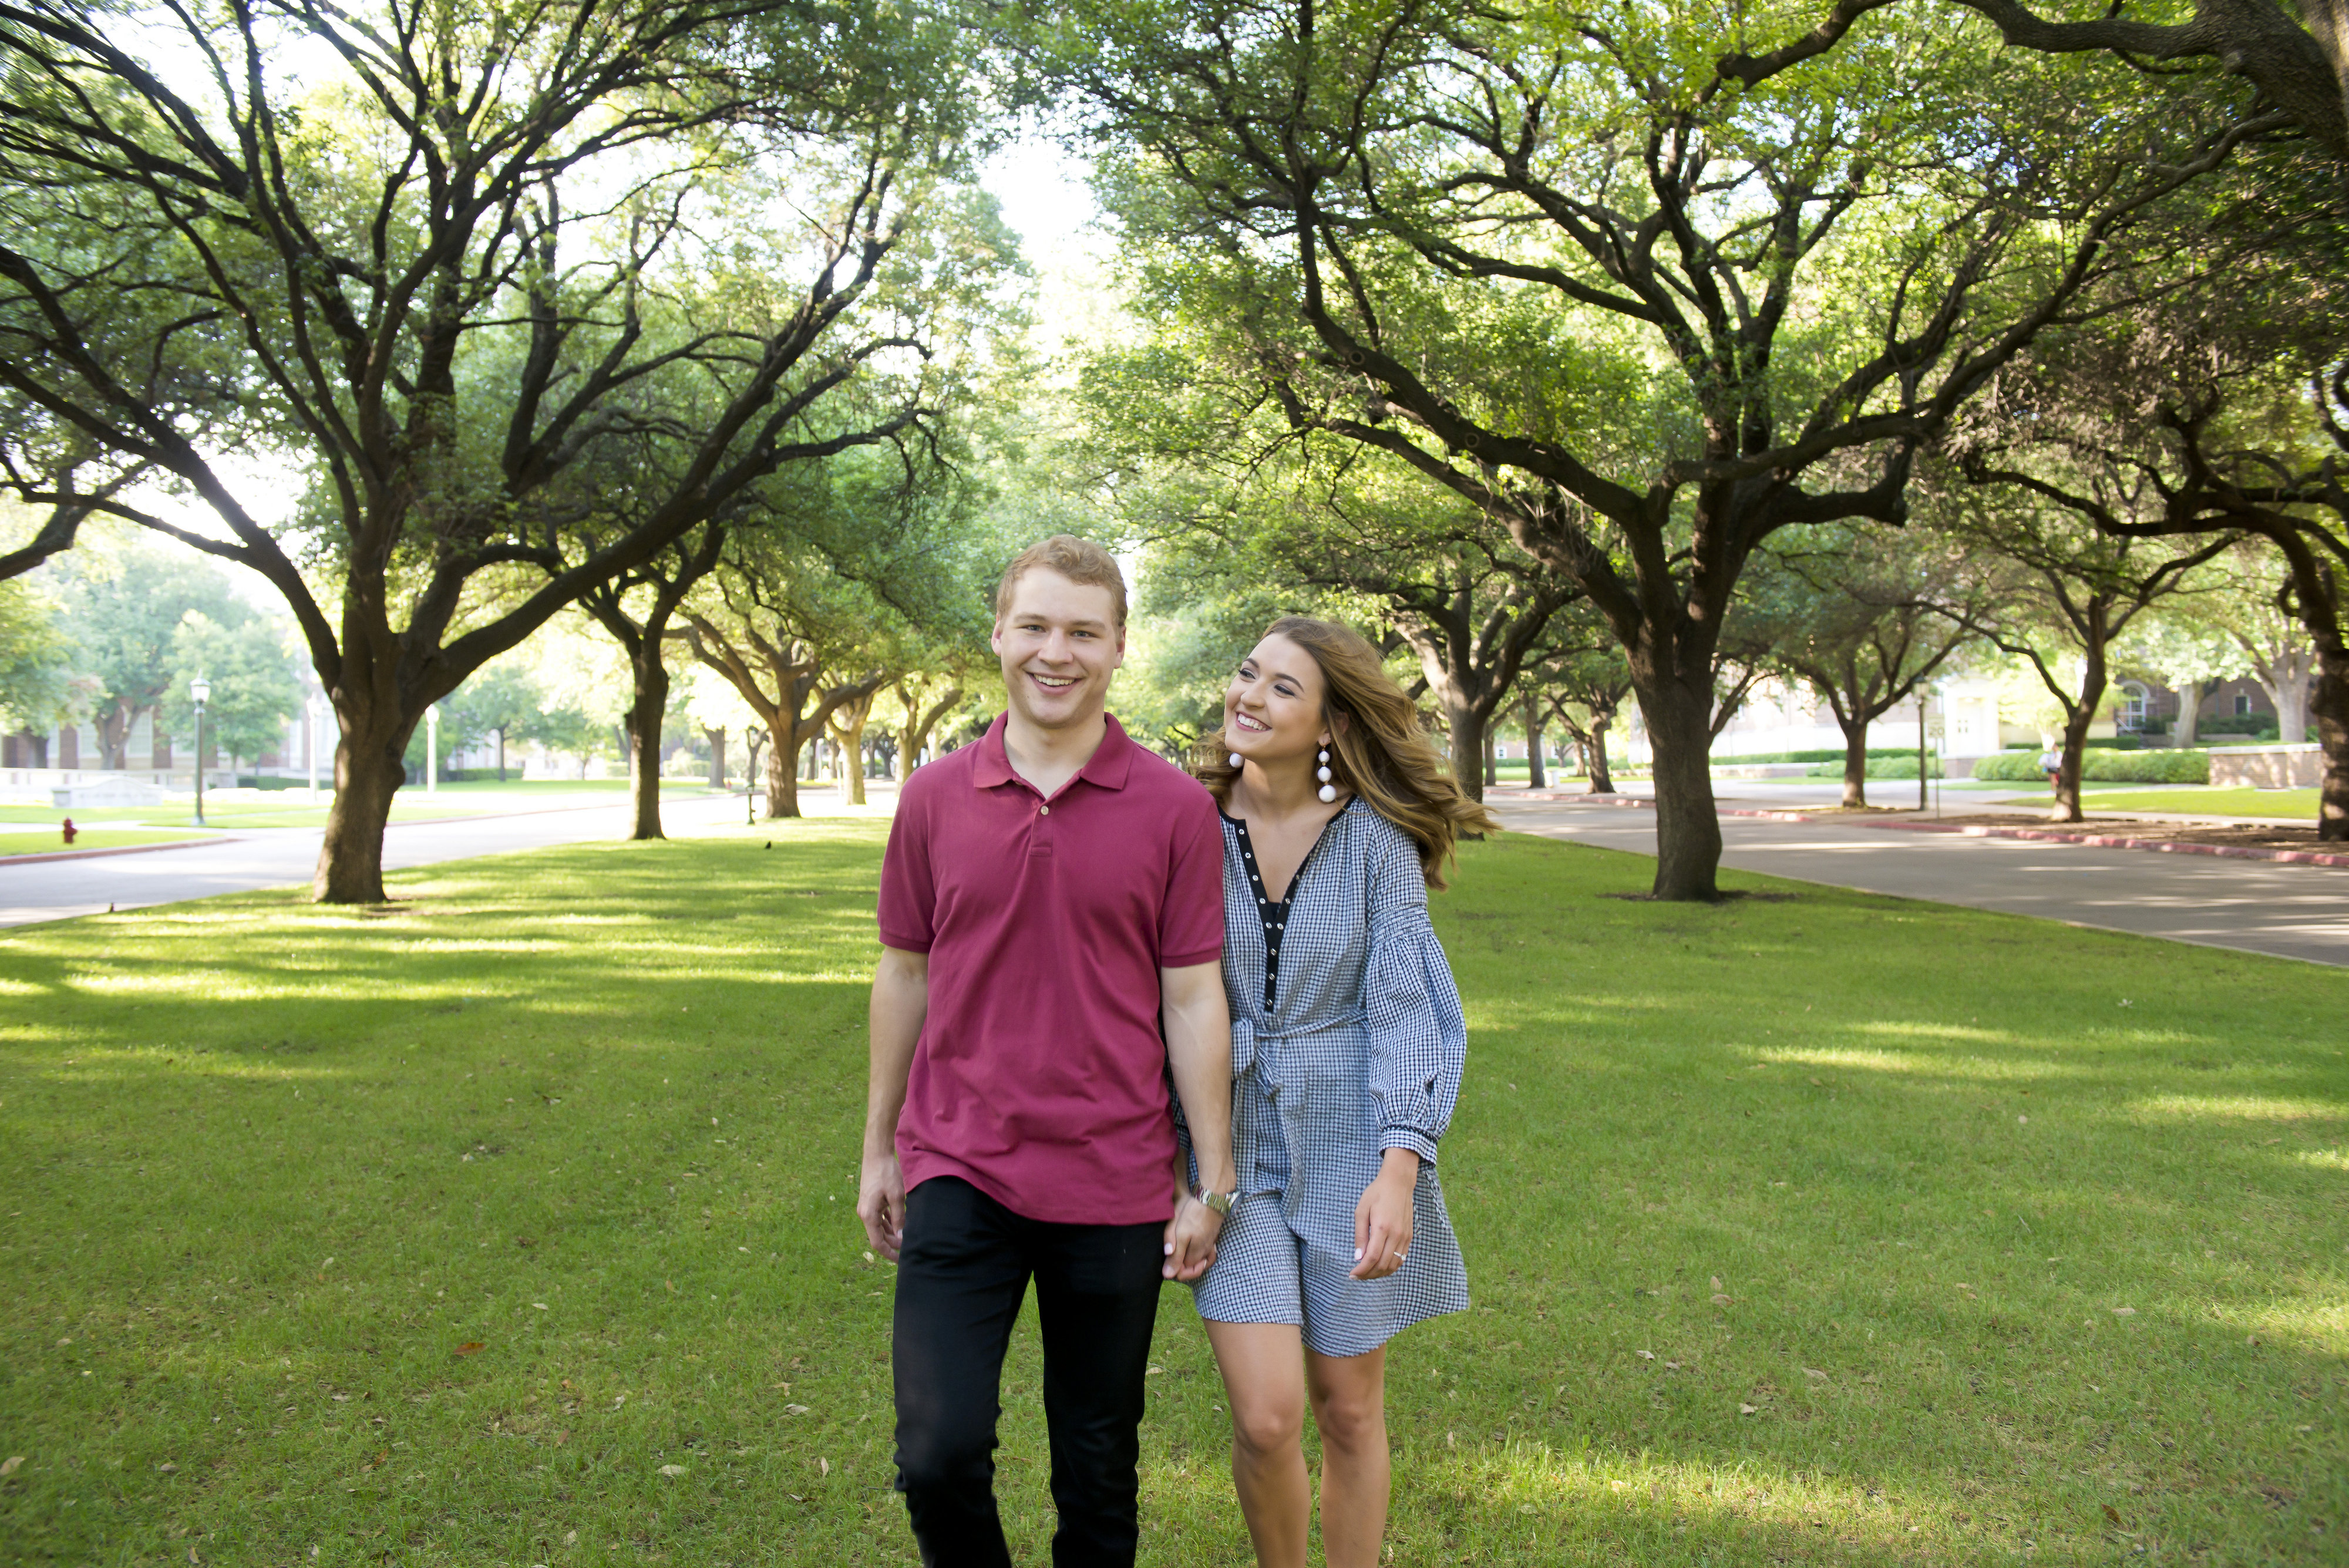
<point x="1051" y="923"/>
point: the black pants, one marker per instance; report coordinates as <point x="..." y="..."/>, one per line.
<point x="965" y="1267"/>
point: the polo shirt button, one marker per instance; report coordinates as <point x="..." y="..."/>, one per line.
<point x="1043" y="811"/>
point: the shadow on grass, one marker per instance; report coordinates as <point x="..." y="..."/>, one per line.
<point x="1867" y="1182"/>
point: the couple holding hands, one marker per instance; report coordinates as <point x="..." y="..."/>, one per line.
<point x="1068" y="924"/>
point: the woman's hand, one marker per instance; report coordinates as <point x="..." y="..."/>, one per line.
<point x="1382" y="1218"/>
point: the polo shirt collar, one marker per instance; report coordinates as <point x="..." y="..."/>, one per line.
<point x="1112" y="761"/>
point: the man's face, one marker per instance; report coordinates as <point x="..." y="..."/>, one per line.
<point x="1059" y="644"/>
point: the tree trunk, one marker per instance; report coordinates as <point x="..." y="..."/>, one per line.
<point x="1534" y="777"/>
<point x="2067" y="774"/>
<point x="1492" y="765"/>
<point x="1855" y="761"/>
<point x="2189" y="712"/>
<point x="2332" y="710"/>
<point x="1679" y="715"/>
<point x="1594" y="755"/>
<point x="113" y="726"/>
<point x="2290" y="695"/>
<point x="717" y="739"/>
<point x="783" y="775"/>
<point x="848" y="760"/>
<point x="1468" y="743"/>
<point x="918" y="727"/>
<point x="502" y="753"/>
<point x="643" y="719"/>
<point x="367" y="773"/>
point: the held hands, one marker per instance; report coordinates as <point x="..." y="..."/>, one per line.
<point x="1382" y="1218"/>
<point x="1191" y="1239"/>
<point x="881" y="1203"/>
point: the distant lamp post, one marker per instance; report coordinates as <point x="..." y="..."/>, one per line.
<point x="200" y="690"/>
<point x="432" y="750"/>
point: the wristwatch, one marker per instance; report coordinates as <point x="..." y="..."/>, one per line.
<point x="1219" y="1203"/>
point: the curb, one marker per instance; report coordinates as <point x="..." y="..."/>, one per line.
<point x="2107" y="841"/>
<point x="2093" y="840"/>
<point x="7" y="860"/>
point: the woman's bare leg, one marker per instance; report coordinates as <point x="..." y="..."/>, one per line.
<point x="1349" y="1409"/>
<point x="1264" y="1378"/>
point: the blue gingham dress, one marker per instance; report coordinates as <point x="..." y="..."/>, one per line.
<point x="1358" y="1050"/>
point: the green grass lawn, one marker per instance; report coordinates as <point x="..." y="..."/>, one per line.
<point x="2298" y="803"/>
<point x="514" y="1225"/>
<point x="54" y="843"/>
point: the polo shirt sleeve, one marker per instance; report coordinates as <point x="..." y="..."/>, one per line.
<point x="908" y="907"/>
<point x="1191" y="921"/>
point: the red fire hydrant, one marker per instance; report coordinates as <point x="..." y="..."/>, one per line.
<point x="69" y="831"/>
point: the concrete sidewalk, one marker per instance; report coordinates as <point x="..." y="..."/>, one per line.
<point x="286" y="857"/>
<point x="2254" y="906"/>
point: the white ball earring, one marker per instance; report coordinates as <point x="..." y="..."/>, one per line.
<point x="1328" y="792"/>
<point x="1235" y="759"/>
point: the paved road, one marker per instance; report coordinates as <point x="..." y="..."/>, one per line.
<point x="2257" y="906"/>
<point x="284" y="856"/>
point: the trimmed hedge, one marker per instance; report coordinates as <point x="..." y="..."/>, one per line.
<point x="1901" y="766"/>
<point x="2104" y="766"/>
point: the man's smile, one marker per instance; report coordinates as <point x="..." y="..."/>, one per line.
<point x="1052" y="682"/>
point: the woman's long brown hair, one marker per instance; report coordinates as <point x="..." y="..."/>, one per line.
<point x="1378" y="747"/>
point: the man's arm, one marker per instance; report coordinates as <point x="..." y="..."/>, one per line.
<point x="901" y="1001"/>
<point x="1199" y="1050"/>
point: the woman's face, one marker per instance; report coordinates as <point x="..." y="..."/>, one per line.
<point x="1272" y="709"/>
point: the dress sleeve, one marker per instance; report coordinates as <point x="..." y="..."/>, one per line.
<point x="1419" y="1041"/>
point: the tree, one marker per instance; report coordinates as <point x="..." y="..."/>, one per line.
<point x="922" y="698"/>
<point x="2299" y="70"/>
<point x="2186" y="653"/>
<point x="1321" y="521"/>
<point x="845" y="725"/>
<point x="717" y="710"/>
<point x="2070" y="588"/>
<point x="789" y="635"/>
<point x="2275" y="647"/>
<point x="2228" y="410"/>
<point x="1582" y="676"/>
<point x="448" y="273"/>
<point x="34" y="690"/>
<point x="1645" y="311"/>
<point x="125" y="609"/>
<point x="501" y="701"/>
<point x="637" y="608"/>
<point x="254" y="687"/>
<point x="1845" y="610"/>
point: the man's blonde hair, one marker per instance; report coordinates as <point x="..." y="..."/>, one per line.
<point x="1079" y="560"/>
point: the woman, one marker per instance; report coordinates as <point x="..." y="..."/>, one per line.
<point x="1347" y="1050"/>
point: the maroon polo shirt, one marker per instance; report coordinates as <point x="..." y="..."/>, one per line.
<point x="1040" y="1077"/>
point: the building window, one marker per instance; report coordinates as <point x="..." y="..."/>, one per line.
<point x="2242" y="703"/>
<point x="2132" y="711"/>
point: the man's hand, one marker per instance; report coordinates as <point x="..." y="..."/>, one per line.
<point x="1382" y="1218"/>
<point x="901" y="1001"/>
<point x="1191" y="1239"/>
<point x="880" y="1204"/>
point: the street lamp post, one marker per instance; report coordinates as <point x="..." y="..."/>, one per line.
<point x="310" y="741"/>
<point x="201" y="691"/>
<point x="432" y="750"/>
